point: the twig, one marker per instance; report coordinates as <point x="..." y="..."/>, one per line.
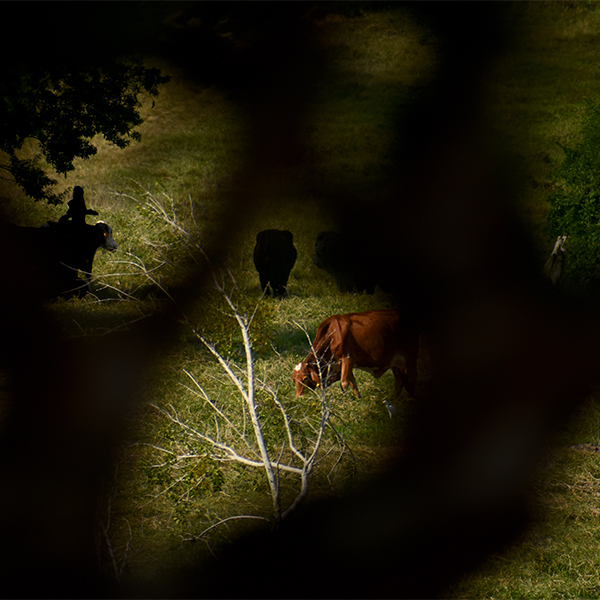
<point x="226" y="520"/>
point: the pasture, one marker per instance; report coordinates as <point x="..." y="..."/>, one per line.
<point x="167" y="503"/>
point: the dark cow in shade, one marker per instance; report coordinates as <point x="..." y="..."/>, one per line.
<point x="373" y="341"/>
<point x="78" y="245"/>
<point x="56" y="252"/>
<point x="274" y="258"/>
<point x="342" y="257"/>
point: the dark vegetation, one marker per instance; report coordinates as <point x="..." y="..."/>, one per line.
<point x="62" y="89"/>
<point x="575" y="207"/>
<point x="430" y="134"/>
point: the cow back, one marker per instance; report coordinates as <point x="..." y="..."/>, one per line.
<point x="372" y="338"/>
<point x="275" y="246"/>
<point x="350" y="263"/>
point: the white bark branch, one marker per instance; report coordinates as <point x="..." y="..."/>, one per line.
<point x="231" y="441"/>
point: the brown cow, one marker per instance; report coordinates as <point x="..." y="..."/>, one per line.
<point x="373" y="341"/>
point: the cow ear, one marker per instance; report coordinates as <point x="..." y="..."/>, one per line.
<point x="314" y="377"/>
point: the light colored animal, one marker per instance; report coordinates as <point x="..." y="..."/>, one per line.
<point x="553" y="267"/>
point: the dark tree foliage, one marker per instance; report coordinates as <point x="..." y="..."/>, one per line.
<point x="61" y="91"/>
<point x="63" y="108"/>
<point x="575" y="206"/>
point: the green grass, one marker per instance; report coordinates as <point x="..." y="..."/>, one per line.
<point x="537" y="96"/>
<point x="193" y="143"/>
<point x="558" y="557"/>
<point x="190" y="150"/>
<point x="537" y="91"/>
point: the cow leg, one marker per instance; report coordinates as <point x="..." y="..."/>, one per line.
<point x="399" y="380"/>
<point x="354" y="385"/>
<point x="264" y="283"/>
<point x="88" y="282"/>
<point x="347" y="377"/>
<point x="407" y="379"/>
<point x="278" y="289"/>
<point x="410" y="377"/>
<point x="86" y="269"/>
<point x="411" y="380"/>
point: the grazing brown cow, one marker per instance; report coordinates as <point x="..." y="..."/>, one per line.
<point x="373" y="341"/>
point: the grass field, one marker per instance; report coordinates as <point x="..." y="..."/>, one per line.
<point x="166" y="489"/>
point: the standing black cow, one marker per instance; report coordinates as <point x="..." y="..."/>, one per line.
<point x="346" y="260"/>
<point x="274" y="258"/>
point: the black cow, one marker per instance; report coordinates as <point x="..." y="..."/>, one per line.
<point x="274" y="258"/>
<point x="344" y="258"/>
<point x="56" y="252"/>
<point x="77" y="245"/>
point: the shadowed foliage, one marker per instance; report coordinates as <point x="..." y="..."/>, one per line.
<point x="65" y="94"/>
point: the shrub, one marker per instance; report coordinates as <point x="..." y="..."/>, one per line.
<point x="575" y="206"/>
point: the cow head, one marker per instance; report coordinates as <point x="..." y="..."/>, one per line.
<point x="109" y="243"/>
<point x="307" y="375"/>
<point x="304" y="377"/>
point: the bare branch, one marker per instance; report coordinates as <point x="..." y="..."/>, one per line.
<point x="224" y="364"/>
<point x="229" y="454"/>
<point x="219" y="412"/>
<point x="226" y="520"/>
<point x="229" y="441"/>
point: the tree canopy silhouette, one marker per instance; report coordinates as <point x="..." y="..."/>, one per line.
<point x="60" y="91"/>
